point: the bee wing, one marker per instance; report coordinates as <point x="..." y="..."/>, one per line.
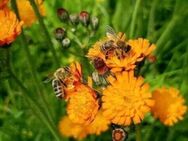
<point x="48" y="78"/>
<point x="110" y="32"/>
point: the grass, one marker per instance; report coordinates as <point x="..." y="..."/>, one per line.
<point x="29" y="111"/>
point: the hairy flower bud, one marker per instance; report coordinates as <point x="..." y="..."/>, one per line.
<point x="62" y="14"/>
<point x="66" y="42"/>
<point x="74" y="19"/>
<point x="84" y="18"/>
<point x="94" y="22"/>
<point x="59" y="33"/>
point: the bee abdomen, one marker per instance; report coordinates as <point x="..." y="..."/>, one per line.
<point x="58" y="88"/>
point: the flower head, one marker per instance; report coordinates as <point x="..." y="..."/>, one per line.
<point x="10" y="26"/>
<point x="127" y="99"/>
<point x="83" y="105"/>
<point x="169" y="105"/>
<point x="26" y="11"/>
<point x="3" y="3"/>
<point x="119" y="54"/>
<point x="69" y="129"/>
<point x="99" y="125"/>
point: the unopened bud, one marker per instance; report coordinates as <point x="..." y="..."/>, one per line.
<point x="66" y="42"/>
<point x="62" y="14"/>
<point x="94" y="22"/>
<point x="59" y="33"/>
<point x="84" y="18"/>
<point x="74" y="19"/>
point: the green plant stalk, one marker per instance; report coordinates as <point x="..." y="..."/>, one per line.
<point x="47" y="35"/>
<point x="164" y="37"/>
<point x="138" y="133"/>
<point x="33" y="104"/>
<point x="35" y="107"/>
<point x="134" y="15"/>
<point x="36" y="81"/>
<point x="151" y="18"/>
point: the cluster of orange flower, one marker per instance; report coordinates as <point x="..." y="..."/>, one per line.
<point x="10" y="26"/>
<point x="125" y="99"/>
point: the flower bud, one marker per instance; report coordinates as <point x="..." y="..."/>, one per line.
<point x="66" y="42"/>
<point x="62" y="14"/>
<point x="59" y="33"/>
<point x="84" y="18"/>
<point x="94" y="22"/>
<point x="74" y="19"/>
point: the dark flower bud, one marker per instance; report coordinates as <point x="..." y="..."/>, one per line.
<point x="66" y="42"/>
<point x="59" y="33"/>
<point x="74" y="19"/>
<point x="84" y="18"/>
<point x="62" y="14"/>
<point x="94" y="22"/>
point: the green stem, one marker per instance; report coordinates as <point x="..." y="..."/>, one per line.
<point x="151" y="18"/>
<point x="138" y="133"/>
<point x="35" y="107"/>
<point x="133" y="22"/>
<point x="164" y="37"/>
<point x="46" y="33"/>
<point x="32" y="69"/>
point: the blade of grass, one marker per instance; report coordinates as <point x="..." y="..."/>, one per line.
<point x="35" y="107"/>
<point x="45" y="31"/>
<point x="37" y="83"/>
<point x="133" y="21"/>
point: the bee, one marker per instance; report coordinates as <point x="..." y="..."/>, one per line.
<point x="100" y="65"/>
<point x="59" y="81"/>
<point x="119" y="134"/>
<point x="116" y="46"/>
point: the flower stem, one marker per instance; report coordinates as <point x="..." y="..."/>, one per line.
<point x="133" y="22"/>
<point x="46" y="33"/>
<point x="138" y="133"/>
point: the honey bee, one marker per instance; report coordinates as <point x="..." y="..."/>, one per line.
<point x="115" y="46"/>
<point x="59" y="81"/>
<point x="119" y="134"/>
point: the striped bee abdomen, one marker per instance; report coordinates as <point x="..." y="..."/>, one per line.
<point x="58" y="88"/>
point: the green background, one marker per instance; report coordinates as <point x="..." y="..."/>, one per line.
<point x="29" y="110"/>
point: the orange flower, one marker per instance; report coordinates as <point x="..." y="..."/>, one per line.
<point x="118" y="57"/>
<point x="99" y="125"/>
<point x="169" y="105"/>
<point x="127" y="99"/>
<point x="69" y="129"/>
<point x="83" y="105"/>
<point x="10" y="27"/>
<point x="26" y="11"/>
<point x="3" y="3"/>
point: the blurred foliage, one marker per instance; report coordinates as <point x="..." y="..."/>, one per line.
<point x="162" y="22"/>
